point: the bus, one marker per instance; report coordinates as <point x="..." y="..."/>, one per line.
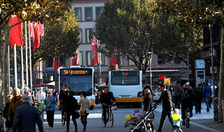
<point x="126" y="86"/>
<point x="78" y="79"/>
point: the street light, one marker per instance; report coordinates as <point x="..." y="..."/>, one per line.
<point x="150" y="67"/>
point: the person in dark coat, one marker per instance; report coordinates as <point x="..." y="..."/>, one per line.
<point x="70" y="107"/>
<point x="50" y="103"/>
<point x="167" y="106"/>
<point x="147" y="104"/>
<point x="26" y="117"/>
<point x="177" y="92"/>
<point x="8" y="124"/>
<point x="198" y="98"/>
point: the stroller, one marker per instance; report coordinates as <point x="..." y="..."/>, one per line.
<point x="142" y="126"/>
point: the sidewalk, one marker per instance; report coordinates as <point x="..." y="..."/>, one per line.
<point x="204" y="119"/>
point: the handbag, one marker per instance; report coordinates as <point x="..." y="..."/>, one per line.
<point x="76" y="115"/>
<point x="82" y="113"/>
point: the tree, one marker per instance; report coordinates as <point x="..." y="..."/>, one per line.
<point x="28" y="10"/>
<point x="127" y="25"/>
<point x="174" y="42"/>
<point x="61" y="39"/>
<point x="194" y="13"/>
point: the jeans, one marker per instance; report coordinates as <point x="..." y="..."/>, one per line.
<point x="207" y="102"/>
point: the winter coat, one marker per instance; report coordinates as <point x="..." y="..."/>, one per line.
<point x="207" y="91"/>
<point x="26" y="118"/>
<point x="50" y="103"/>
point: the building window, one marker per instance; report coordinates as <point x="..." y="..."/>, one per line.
<point x="80" y="58"/>
<point x="161" y="60"/>
<point x="121" y="60"/>
<point x="89" y="34"/>
<point x="88" y="14"/>
<point x="102" y="59"/>
<point x="89" y="58"/>
<point x="78" y="13"/>
<point x="80" y="35"/>
<point x="130" y="62"/>
<point x="98" y="11"/>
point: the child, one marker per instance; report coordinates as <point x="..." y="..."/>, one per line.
<point x="134" y="119"/>
<point x="136" y="115"/>
<point x="176" y="121"/>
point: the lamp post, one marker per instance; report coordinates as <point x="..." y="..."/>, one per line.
<point x="150" y="67"/>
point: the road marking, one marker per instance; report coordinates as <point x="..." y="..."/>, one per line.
<point x="204" y="127"/>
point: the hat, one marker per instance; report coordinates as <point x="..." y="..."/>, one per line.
<point x="106" y="89"/>
<point x="26" y="98"/>
<point x="187" y="83"/>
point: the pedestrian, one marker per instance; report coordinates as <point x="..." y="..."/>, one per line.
<point x="26" y="91"/>
<point x="15" y="102"/>
<point x="84" y="109"/>
<point x="70" y="107"/>
<point x="5" y="112"/>
<point x="147" y="105"/>
<point x="26" y="117"/>
<point x="177" y="92"/>
<point x="176" y="121"/>
<point x="211" y="98"/>
<point x="40" y="98"/>
<point x="167" y="106"/>
<point x="207" y="92"/>
<point x="198" y="98"/>
<point x="50" y="103"/>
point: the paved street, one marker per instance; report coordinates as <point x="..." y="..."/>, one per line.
<point x="95" y="123"/>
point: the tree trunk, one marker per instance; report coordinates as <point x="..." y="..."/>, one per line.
<point x="1" y="88"/>
<point x="221" y="79"/>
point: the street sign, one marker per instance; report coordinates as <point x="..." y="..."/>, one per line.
<point x="200" y="64"/>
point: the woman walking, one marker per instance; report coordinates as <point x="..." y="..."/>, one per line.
<point x="84" y="109"/>
<point x="70" y="107"/>
<point x="147" y="104"/>
<point x="51" y="103"/>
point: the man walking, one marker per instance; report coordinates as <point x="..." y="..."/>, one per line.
<point x="26" y="117"/>
<point x="167" y="106"/>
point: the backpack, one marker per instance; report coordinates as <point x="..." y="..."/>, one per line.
<point x="184" y="94"/>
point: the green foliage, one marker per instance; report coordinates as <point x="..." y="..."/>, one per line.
<point x="126" y="25"/>
<point x="61" y="39"/>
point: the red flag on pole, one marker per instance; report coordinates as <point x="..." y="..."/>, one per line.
<point x="94" y="51"/>
<point x="16" y="32"/>
<point x="35" y="34"/>
<point x="114" y="60"/>
<point x="75" y="59"/>
<point x="56" y="62"/>
<point x="41" y="29"/>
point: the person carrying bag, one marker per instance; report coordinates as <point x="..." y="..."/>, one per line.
<point x="84" y="109"/>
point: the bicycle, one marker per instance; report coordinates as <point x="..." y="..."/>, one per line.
<point x="109" y="116"/>
<point x="2" y="122"/>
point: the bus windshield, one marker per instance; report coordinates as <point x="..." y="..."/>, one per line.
<point x="77" y="84"/>
<point x="125" y="78"/>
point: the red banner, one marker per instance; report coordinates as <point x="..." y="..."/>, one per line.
<point x="75" y="59"/>
<point x="16" y="32"/>
<point x="35" y="34"/>
<point x="56" y="62"/>
<point x="94" y="51"/>
<point x="162" y="77"/>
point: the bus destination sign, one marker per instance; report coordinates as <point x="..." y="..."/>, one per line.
<point x="70" y="72"/>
